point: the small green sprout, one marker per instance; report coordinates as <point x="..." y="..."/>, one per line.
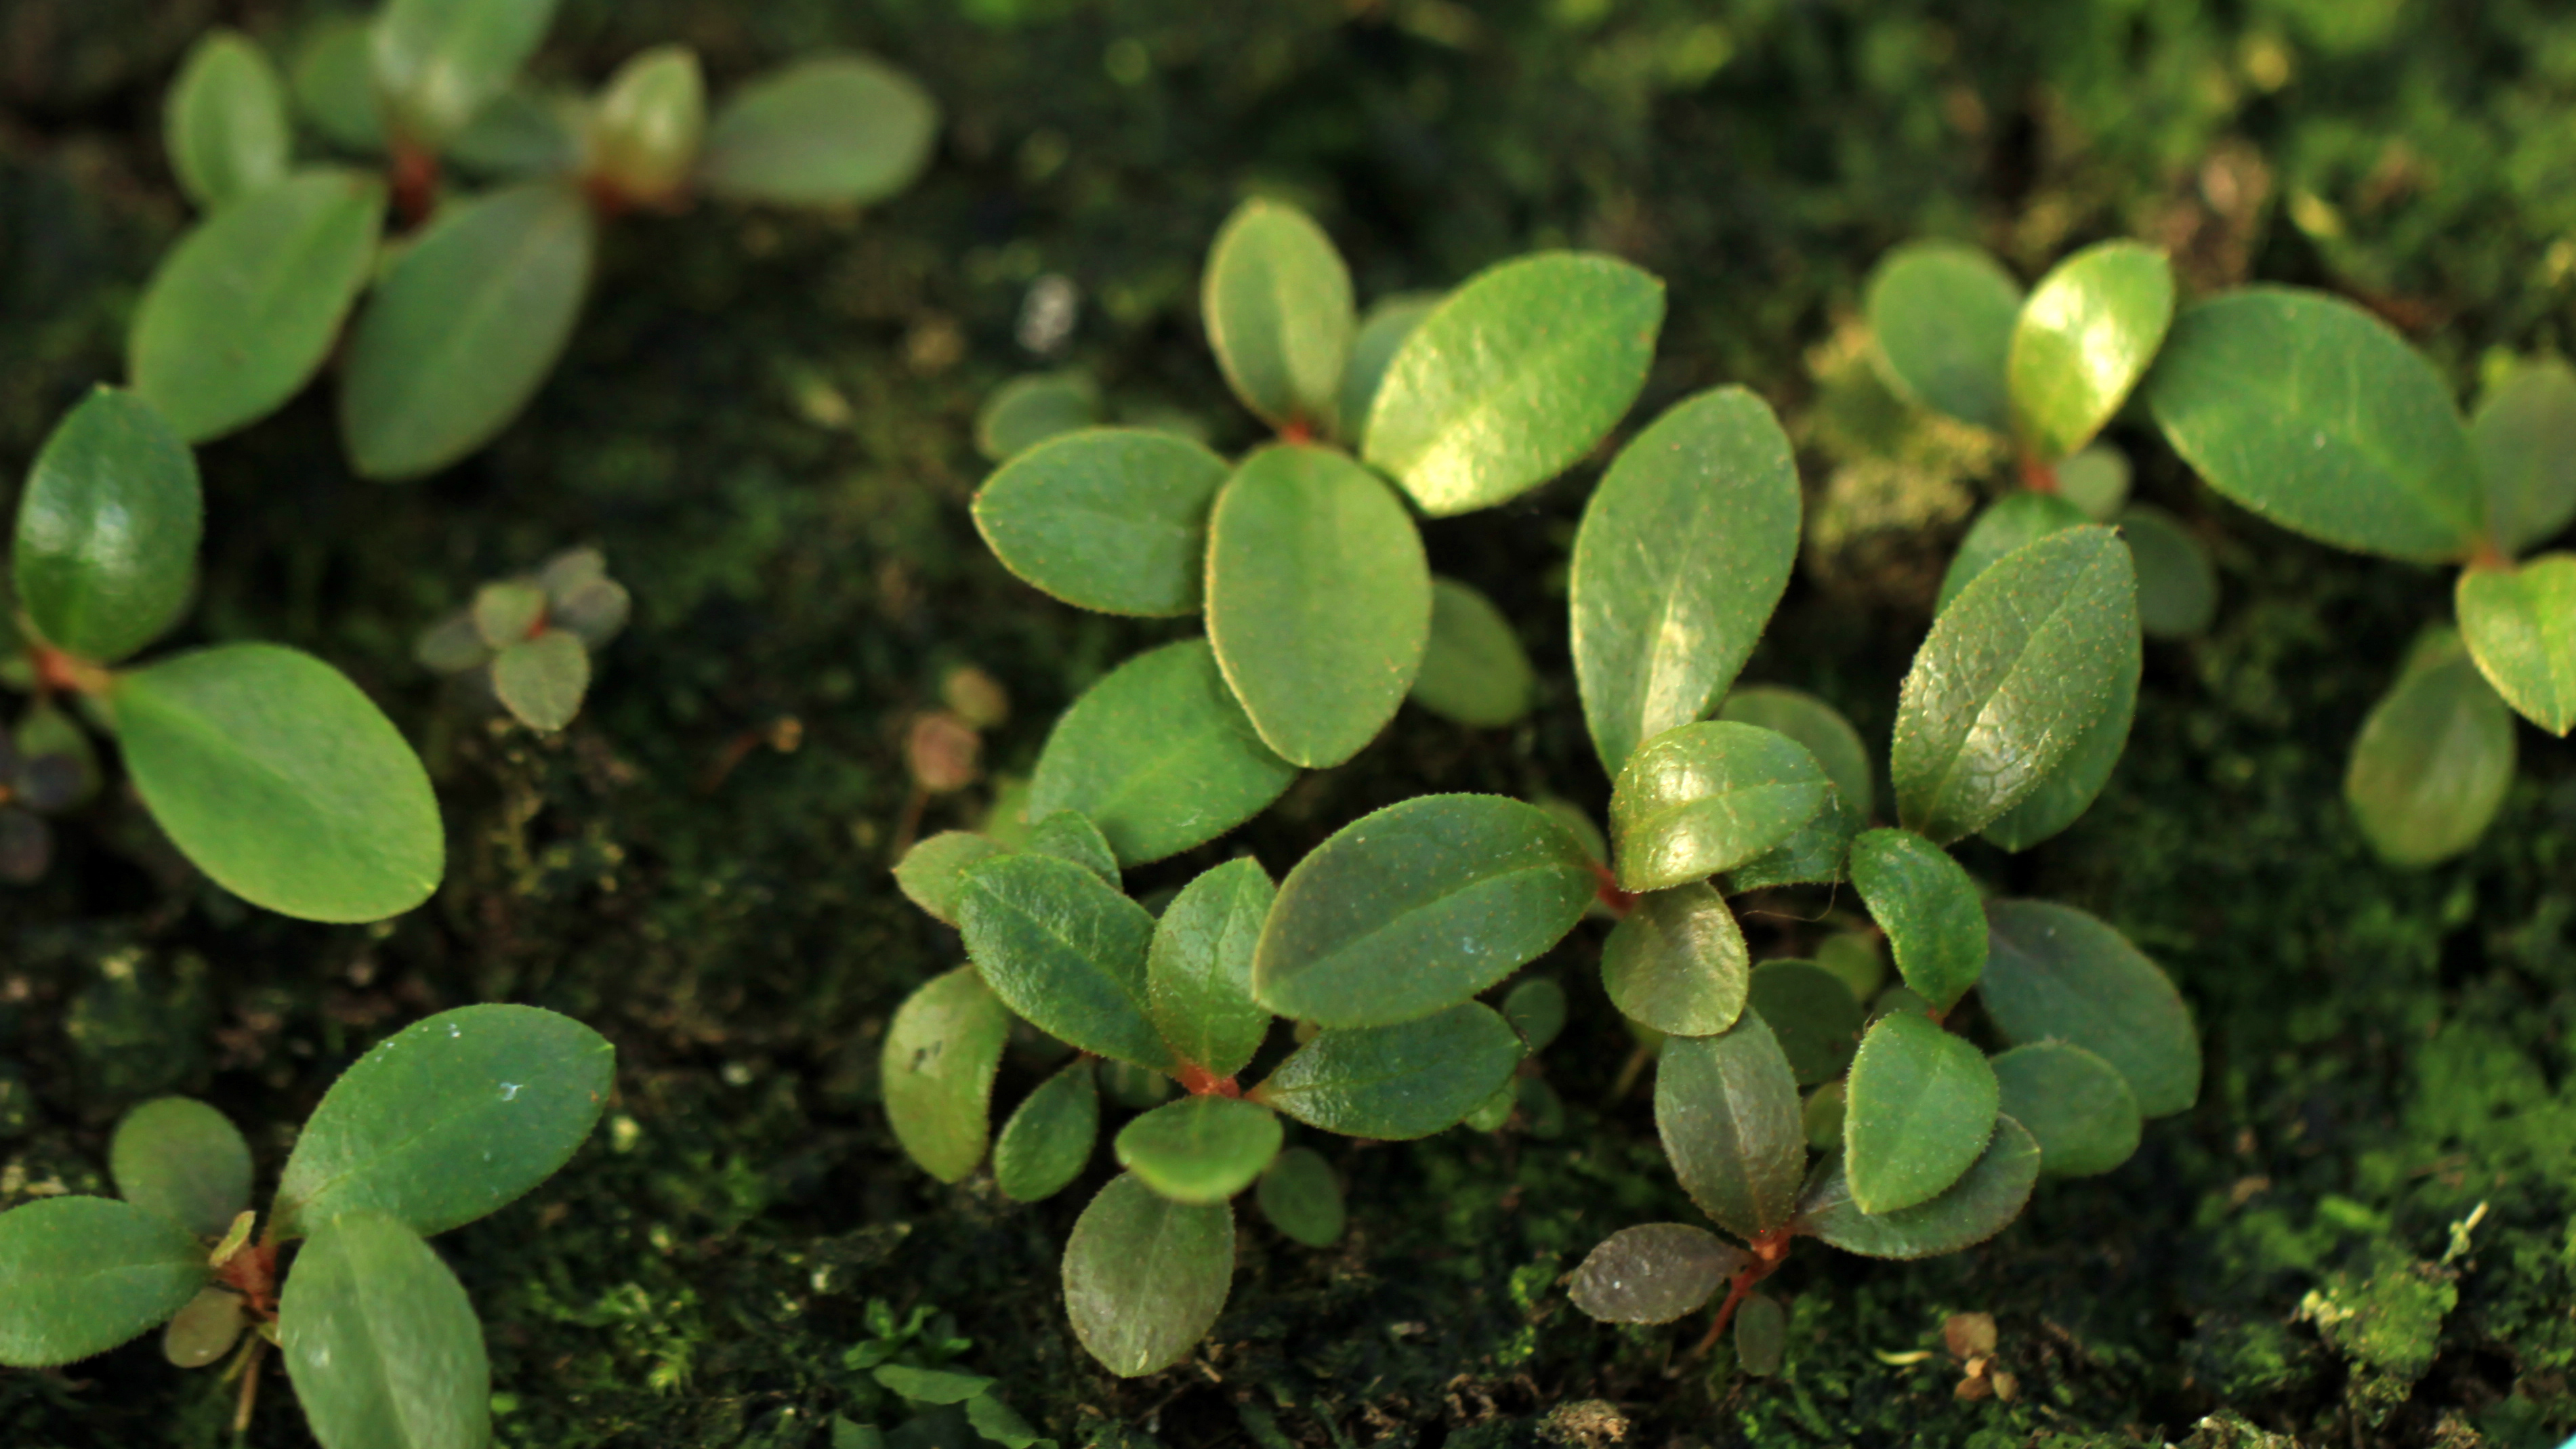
<point x="442" y="1123"/>
<point x="911" y="1361"/>
<point x="527" y="641"/>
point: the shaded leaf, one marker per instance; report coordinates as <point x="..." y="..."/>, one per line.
<point x="928" y="874"/>
<point x="1160" y="755"/>
<point x="1048" y="1140"/>
<point x="1394" y="1083"/>
<point x="1811" y="1013"/>
<point x="2076" y="1105"/>
<point x="2524" y="432"/>
<point x="1814" y="724"/>
<point x="2095" y="480"/>
<point x="649" y="121"/>
<point x="931" y="1386"/>
<point x="225" y="122"/>
<point x="1065" y="951"/>
<point x="1113" y="519"/>
<point x="1536" y="1009"/>
<point x="1070" y="835"/>
<point x="542" y="680"/>
<point x="334" y="82"/>
<point x="1823" y="1116"/>
<point x="1654" y="1273"/>
<point x="830" y="130"/>
<point x="1929" y="908"/>
<point x="383" y="1347"/>
<point x="1277" y="303"/>
<point x="1943" y="315"/>
<point x="438" y="62"/>
<point x="1198" y="973"/>
<point x="1473" y="671"/>
<point x="1029" y="410"/>
<point x="205" y="1330"/>
<point x="526" y="133"/>
<point x="1200" y="1149"/>
<point x="1145" y="1277"/>
<point x="80" y="1275"/>
<point x="2054" y="973"/>
<point x="1982" y="1203"/>
<point x="2177" y="583"/>
<point x="1761" y="1335"/>
<point x="1708" y="797"/>
<point x="1677" y="962"/>
<point x="506" y="613"/>
<point x="1920" y="1106"/>
<point x="177" y="1158"/>
<point x="2003" y="526"/>
<point x="1382" y="331"/>
<point x="997" y="1422"/>
<point x="2519" y="624"/>
<point x="2434" y="758"/>
<point x="1302" y="1199"/>
<point x="936" y="1072"/>
<point x="2083" y="340"/>
<point x="108" y="525"/>
<point x="1727" y="1109"/>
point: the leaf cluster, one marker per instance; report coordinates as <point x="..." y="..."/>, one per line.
<point x="527" y="641"/>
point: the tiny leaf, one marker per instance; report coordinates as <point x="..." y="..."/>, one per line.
<point x="1027" y="411"/>
<point x="1200" y="1149"/>
<point x="506" y="612"/>
<point x="2054" y="973"/>
<point x="1383" y="328"/>
<point x="2011" y="521"/>
<point x="1928" y="907"/>
<point x="205" y="1330"/>
<point x="439" y="62"/>
<point x="542" y="680"/>
<point x="1985" y="1200"/>
<point x="2434" y="758"/>
<point x="1812" y="723"/>
<point x="1473" y="671"/>
<point x="1064" y="950"/>
<point x="176" y="1157"/>
<point x="1112" y="519"/>
<point x="1677" y="962"/>
<point x="1160" y="755"/>
<point x="928" y="874"/>
<point x="1277" y="301"/>
<point x="107" y="529"/>
<point x="1048" y="1140"/>
<point x="1654" y="1273"/>
<point x="2520" y="626"/>
<point x="1761" y="1335"/>
<point x="1814" y="1016"/>
<point x="1944" y="316"/>
<point x="1198" y="974"/>
<point x="1727" y="1109"/>
<point x="2077" y="1106"/>
<point x="225" y="125"/>
<point x="941" y="1051"/>
<point x="649" y="121"/>
<point x="2525" y="434"/>
<point x="1070" y="835"/>
<point x="335" y="86"/>
<point x="1145" y="1277"/>
<point x="2177" y="583"/>
<point x="833" y="130"/>
<point x="383" y="1348"/>
<point x="2083" y="340"/>
<point x="1708" y="797"/>
<point x="1302" y="1199"/>
<point x="80" y="1275"/>
<point x="1536" y="1009"/>
<point x="1921" y="1106"/>
<point x="1394" y="1083"/>
<point x="2095" y="480"/>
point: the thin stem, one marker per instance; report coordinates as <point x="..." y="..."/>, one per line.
<point x="250" y="1385"/>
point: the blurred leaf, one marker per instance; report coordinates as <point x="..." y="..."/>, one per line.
<point x="2083" y="340"/>
<point x="651" y="118"/>
<point x="2001" y="527"/>
<point x="1065" y="951"/>
<point x="830" y="130"/>
<point x="1145" y="1277"/>
<point x="1160" y="755"/>
<point x="1200" y="1149"/>
<point x="1070" y="835"/>
<point x="507" y="612"/>
<point x="1113" y="519"/>
<point x="1473" y="671"/>
<point x="381" y="1343"/>
<point x="2434" y="758"/>
<point x="225" y="121"/>
<point x="1811" y="1013"/>
<point x="2077" y="1106"/>
<point x="1707" y="797"/>
<point x="1277" y="303"/>
<point x="928" y="873"/>
<point x="335" y="84"/>
<point x="2524" y="432"/>
<point x="205" y="1330"/>
<point x="941" y="1051"/>
<point x="1302" y="1199"/>
<point x="80" y="1275"/>
<point x="1943" y="315"/>
<point x="438" y="62"/>
<point x="2520" y="626"/>
<point x="1395" y="1083"/>
<point x="1033" y="408"/>
<point x="1761" y="1335"/>
<point x="177" y="1158"/>
<point x="1382" y="331"/>
<point x="2095" y="480"/>
<point x="1198" y="973"/>
<point x="998" y="1423"/>
<point x="1814" y="724"/>
<point x="1727" y="1109"/>
<point x="1982" y="1203"/>
<point x="1536" y="1009"/>
<point x="107" y="529"/>
<point x="542" y="680"/>
<point x="931" y="1386"/>
<point x="1654" y="1273"/>
<point x="2054" y="973"/>
<point x="1920" y="1106"/>
<point x="2177" y="583"/>
<point x="1048" y="1140"/>
<point x="1677" y="962"/>
<point x="1824" y="1115"/>
<point x="525" y="134"/>
<point x="1929" y="909"/>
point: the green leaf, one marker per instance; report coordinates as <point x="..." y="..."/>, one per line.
<point x="1048" y="1140"/>
<point x="931" y="1386"/>
<point x="2434" y="758"/>
<point x="383" y="1348"/>
<point x="2083" y="340"/>
<point x="1490" y="1114"/>
<point x="2177" y="583"/>
<point x="936" y="1072"/>
<point x="1064" y="950"/>
<point x="176" y="1157"/>
<point x="928" y="875"/>
<point x="999" y="1423"/>
<point x="1855" y="960"/>
<point x="2077" y="1105"/>
<point x="1928" y="907"/>
<point x="2078" y="780"/>
<point x="2095" y="480"/>
<point x="1536" y="1009"/>
<point x="335" y="85"/>
<point x="1473" y="671"/>
<point x="2054" y="973"/>
<point x="1145" y="1277"/>
<point x="1654" y="1273"/>
<point x="1029" y="410"/>
<point x="526" y="133"/>
<point x="1318" y="601"/>
<point x="1112" y="519"/>
<point x="225" y="121"/>
<point x="242" y="313"/>
<point x="1811" y="1013"/>
<point x="1727" y="1108"/>
<point x="1678" y="962"/>
<point x="276" y="777"/>
<point x="1277" y="302"/>
<point x="2520" y="626"/>
<point x="2524" y="432"/>
<point x="1383" y="329"/>
<point x="1921" y="1106"/>
<point x="2021" y="664"/>
<point x="464" y="327"/>
<point x="1708" y="797"/>
<point x="1944" y="316"/>
<point x="1198" y="974"/>
<point x="506" y="613"/>
<point x="1200" y="1149"/>
<point x="1813" y="854"/>
<point x="1513" y="378"/>
<point x="1683" y="553"/>
<point x="438" y="62"/>
<point x="1302" y="1199"/>
<point x="107" y="529"/>
<point x="1394" y="1083"/>
<point x="2313" y="413"/>
<point x="1418" y="907"/>
<point x="650" y="119"/>
<point x="1159" y="755"/>
<point x="833" y="130"/>
<point x="1982" y="1203"/>
<point x="205" y="1330"/>
<point x="1070" y="835"/>
<point x="1761" y="1335"/>
<point x="80" y="1275"/>
<point x="542" y="680"/>
<point x="1812" y="723"/>
<point x="1824" y="1115"/>
<point x="2003" y="526"/>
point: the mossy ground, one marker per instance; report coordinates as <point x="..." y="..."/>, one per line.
<point x="764" y="420"/>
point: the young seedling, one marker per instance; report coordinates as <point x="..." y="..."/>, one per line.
<point x="266" y="767"/>
<point x="1378" y="942"/>
<point x="528" y="640"/>
<point x="911" y="1361"/>
<point x="447" y="1121"/>
<point x="2318" y="416"/>
<point x="1322" y="615"/>
<point x="470" y="310"/>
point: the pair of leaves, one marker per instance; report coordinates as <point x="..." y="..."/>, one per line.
<point x="2435" y="755"/>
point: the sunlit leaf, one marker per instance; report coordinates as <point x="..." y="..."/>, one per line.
<point x="1200" y="1149"/>
<point x="1727" y="1109"/>
<point x="1160" y="755"/>
<point x="2011" y="521"/>
<point x="1473" y="671"/>
<point x="2083" y="340"/>
<point x="1113" y="519"/>
<point x="1383" y="328"/>
<point x="1145" y="1277"/>
<point x="2078" y="780"/>
<point x="383" y="1347"/>
<point x="1277" y="302"/>
<point x="1654" y="1273"/>
<point x="225" y="122"/>
<point x="1943" y="315"/>
<point x="1708" y="797"/>
<point x="1064" y="950"/>
<point x="2434" y="758"/>
<point x="829" y="130"/>
<point x="1982" y="1203"/>
<point x="2077" y="1106"/>
<point x="936" y="1072"/>
<point x="649" y="121"/>
<point x="1920" y="1108"/>
<point x="108" y="525"/>
<point x="2054" y="973"/>
<point x="178" y="1158"/>
<point x="1677" y="962"/>
<point x="1396" y="1082"/>
<point x="80" y="1275"/>
<point x="2520" y="626"/>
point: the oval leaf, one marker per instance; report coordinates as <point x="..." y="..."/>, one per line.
<point x="542" y="680"/>
<point x="1536" y="1009"/>
<point x="1048" y="1140"/>
<point x="1198" y="974"/>
<point x="1654" y="1273"/>
<point x="205" y="1330"/>
<point x="176" y="1157"/>
<point x="2077" y="1105"/>
<point x="2054" y="973"/>
<point x="650" y="120"/>
<point x="1145" y="1277"/>
<point x="2524" y="432"/>
<point x="1113" y="519"/>
<point x="928" y="875"/>
<point x="2083" y="340"/>
<point x="1815" y="724"/>
<point x="1418" y="907"/>
<point x="383" y="1348"/>
<point x="1919" y="1109"/>
<point x="2520" y="626"/>
<point x="80" y="1275"/>
<point x="834" y="130"/>
<point x="1943" y="315"/>
<point x="1727" y="1109"/>
<point x="107" y="529"/>
<point x="2011" y="521"/>
<point x="1027" y="411"/>
<point x="2177" y="583"/>
<point x="276" y="777"/>
<point x="2078" y="780"/>
<point x="1277" y="301"/>
<point x="439" y="62"/>
<point x="1513" y="378"/>
<point x="1200" y="1149"/>
<point x="1302" y="1199"/>
<point x="2095" y="480"/>
<point x="1812" y="1013"/>
<point x="334" y="82"/>
<point x="1160" y="755"/>
<point x="1706" y="798"/>
<point x="1929" y="909"/>
<point x="1473" y="671"/>
<point x="1065" y="951"/>
<point x="1683" y="553"/>
<point x="528" y="132"/>
<point x="1982" y="1203"/>
<point x="1318" y="601"/>
<point x="1761" y="1335"/>
<point x="1677" y="962"/>
<point x="1388" y="322"/>
<point x="2433" y="761"/>
<point x="1394" y="1083"/>
<point x="941" y="1051"/>
<point x="225" y="126"/>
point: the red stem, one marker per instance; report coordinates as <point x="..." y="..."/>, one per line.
<point x="1769" y="1251"/>
<point x="1607" y="889"/>
<point x="2037" y="476"/>
<point x="1198" y="1081"/>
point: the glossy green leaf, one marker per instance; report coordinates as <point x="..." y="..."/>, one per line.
<point x="1811" y="1013"/>
<point x="1070" y="835"/>
<point x="2520" y="626"/>
<point x="1814" y="853"/>
<point x="243" y="312"/>
<point x="1160" y="755"/>
<point x="936" y="1072"/>
<point x="225" y="122"/>
<point x="1654" y="1273"/>
<point x="2083" y="340"/>
<point x="1145" y="1277"/>
<point x="1708" y="797"/>
<point x="1920" y="1108"/>
<point x="2177" y="583"/>
<point x="107" y="529"/>
<point x="2006" y="524"/>
<point x="1394" y="1083"/>
<point x="1536" y="1009"/>
<point x="1277" y="302"/>
<point x="832" y="130"/>
<point x="1318" y="601"/>
<point x="1302" y="1199"/>
<point x="1682" y="555"/>
<point x="928" y="875"/>
<point x="1727" y="1109"/>
<point x="2078" y="780"/>
<point x="2434" y="758"/>
<point x="449" y="1119"/>
<point x="1812" y="723"/>
<point x="1113" y="519"/>
<point x="1418" y="907"/>
<point x="80" y="1275"/>
<point x="2076" y="1104"/>
<point x="1064" y="950"/>
<point x="931" y="1386"/>
<point x="2313" y="413"/>
<point x="526" y="132"/>
<point x="2054" y="973"/>
<point x="383" y="1348"/>
<point x="1200" y="1149"/>
<point x="334" y="81"/>
<point x="1027" y="411"/>
<point x="542" y="680"/>
<point x="176" y="1157"/>
<point x="464" y="327"/>
<point x="2095" y="480"/>
<point x="1944" y="315"/>
<point x="205" y="1330"/>
<point x="1198" y="974"/>
<point x="648" y="124"/>
<point x="438" y="62"/>
<point x="1383" y="328"/>
<point x="2524" y="432"/>
<point x="1677" y="962"/>
<point x="1048" y="1140"/>
<point x="1761" y="1335"/>
<point x="276" y="777"/>
<point x="1929" y="909"/>
<point x="1982" y="1203"/>
<point x="1513" y="378"/>
<point x="2020" y="665"/>
<point x="1473" y="671"/>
